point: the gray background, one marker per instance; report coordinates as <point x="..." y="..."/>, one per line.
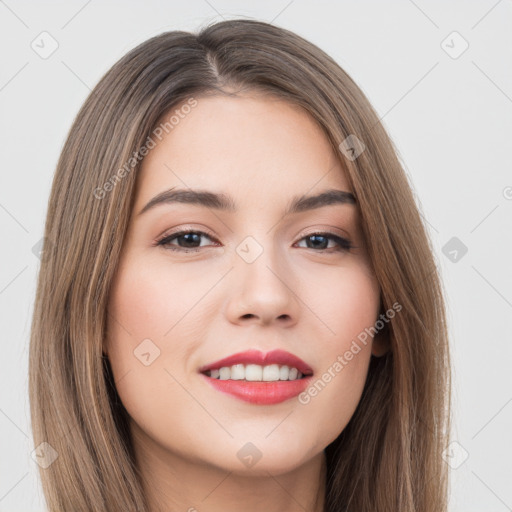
<point x="449" y="114"/>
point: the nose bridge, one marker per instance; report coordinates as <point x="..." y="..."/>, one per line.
<point x="262" y="278"/>
<point x="258" y="261"/>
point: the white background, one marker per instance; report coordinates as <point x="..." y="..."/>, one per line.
<point x="450" y="118"/>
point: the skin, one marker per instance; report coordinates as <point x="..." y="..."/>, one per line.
<point x="198" y="307"/>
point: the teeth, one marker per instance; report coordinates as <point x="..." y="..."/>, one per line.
<point x="224" y="373"/>
<point x="251" y="372"/>
<point x="237" y="372"/>
<point x="255" y="372"/>
<point x="271" y="372"/>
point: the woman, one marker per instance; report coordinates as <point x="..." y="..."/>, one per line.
<point x="237" y="302"/>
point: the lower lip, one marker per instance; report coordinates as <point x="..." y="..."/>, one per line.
<point x="263" y="393"/>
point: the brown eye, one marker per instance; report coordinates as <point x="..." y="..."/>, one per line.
<point x="187" y="241"/>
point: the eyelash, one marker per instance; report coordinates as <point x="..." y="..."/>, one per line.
<point x="344" y="245"/>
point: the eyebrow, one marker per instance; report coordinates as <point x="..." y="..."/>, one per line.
<point x="223" y="202"/>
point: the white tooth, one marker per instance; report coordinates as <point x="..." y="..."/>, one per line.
<point x="292" y="375"/>
<point x="253" y="372"/>
<point x="283" y="372"/>
<point x="224" y="373"/>
<point x="214" y="374"/>
<point x="271" y="372"/>
<point x="299" y="375"/>
<point x="238" y="372"/>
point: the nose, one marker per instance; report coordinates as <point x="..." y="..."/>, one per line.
<point x="262" y="291"/>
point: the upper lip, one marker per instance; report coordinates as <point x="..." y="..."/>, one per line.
<point x="257" y="357"/>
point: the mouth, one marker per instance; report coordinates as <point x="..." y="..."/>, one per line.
<point x="254" y="365"/>
<point x="259" y="378"/>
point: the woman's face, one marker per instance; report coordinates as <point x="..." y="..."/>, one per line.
<point x="249" y="277"/>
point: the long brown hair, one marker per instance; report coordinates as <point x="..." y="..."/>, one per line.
<point x="389" y="457"/>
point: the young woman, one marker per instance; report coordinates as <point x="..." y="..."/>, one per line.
<point x="238" y="305"/>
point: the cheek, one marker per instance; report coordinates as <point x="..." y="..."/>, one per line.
<point x="153" y="329"/>
<point x="143" y="300"/>
<point x="145" y="309"/>
<point x="147" y="305"/>
<point x="345" y="300"/>
<point x="358" y="303"/>
<point x="349" y="310"/>
<point x="153" y="299"/>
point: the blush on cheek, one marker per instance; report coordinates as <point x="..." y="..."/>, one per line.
<point x="142" y="304"/>
<point x="352" y="309"/>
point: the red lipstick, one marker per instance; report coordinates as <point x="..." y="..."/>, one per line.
<point x="259" y="392"/>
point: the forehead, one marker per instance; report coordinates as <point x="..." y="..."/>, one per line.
<point x="256" y="148"/>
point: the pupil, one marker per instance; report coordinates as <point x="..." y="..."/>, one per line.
<point x="189" y="238"/>
<point x="316" y="238"/>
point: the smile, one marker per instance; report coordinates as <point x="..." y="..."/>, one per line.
<point x="259" y="378"/>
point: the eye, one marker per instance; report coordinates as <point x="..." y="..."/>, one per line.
<point x="190" y="241"/>
<point x="320" y="241"/>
